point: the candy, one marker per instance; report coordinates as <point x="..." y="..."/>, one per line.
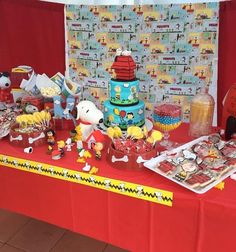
<point x="167" y="117"/>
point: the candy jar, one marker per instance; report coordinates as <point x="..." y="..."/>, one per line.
<point x="167" y="117"/>
<point x="201" y="114"/>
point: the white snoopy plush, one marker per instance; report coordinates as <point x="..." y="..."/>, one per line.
<point x="89" y="115"/>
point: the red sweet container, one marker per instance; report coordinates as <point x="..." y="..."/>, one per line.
<point x="33" y="139"/>
<point x="132" y="161"/>
<point x="63" y="124"/>
<point x="31" y="104"/>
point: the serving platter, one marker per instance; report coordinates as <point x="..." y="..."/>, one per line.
<point x="198" y="165"/>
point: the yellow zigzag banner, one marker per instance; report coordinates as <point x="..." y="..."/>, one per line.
<point x="108" y="184"/>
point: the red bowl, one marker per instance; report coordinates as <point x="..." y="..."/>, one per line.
<point x="131" y="161"/>
<point x="33" y="139"/>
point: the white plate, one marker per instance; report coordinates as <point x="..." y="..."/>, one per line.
<point x="152" y="163"/>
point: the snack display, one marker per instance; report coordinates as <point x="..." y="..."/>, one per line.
<point x="124" y="109"/>
<point x="30" y="129"/>
<point x="198" y="165"/>
<point x="167" y="117"/>
<point x="129" y="152"/>
<point x="49" y="92"/>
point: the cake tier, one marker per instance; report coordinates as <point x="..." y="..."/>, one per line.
<point x="124" y="92"/>
<point x="124" y="116"/>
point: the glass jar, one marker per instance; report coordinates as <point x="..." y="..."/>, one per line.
<point x="201" y="114"/>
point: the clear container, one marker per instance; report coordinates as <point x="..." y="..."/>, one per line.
<point x="201" y="114"/>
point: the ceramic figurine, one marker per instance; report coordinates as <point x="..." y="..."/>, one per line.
<point x="5" y="88"/>
<point x="98" y="147"/>
<point x="68" y="144"/>
<point x="61" y="145"/>
<point x="88" y="115"/>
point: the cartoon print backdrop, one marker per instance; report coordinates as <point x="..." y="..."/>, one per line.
<point x="174" y="47"/>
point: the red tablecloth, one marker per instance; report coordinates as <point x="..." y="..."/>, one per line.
<point x="194" y="223"/>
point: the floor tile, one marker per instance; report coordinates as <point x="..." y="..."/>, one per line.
<point x="37" y="236"/>
<point x="72" y="242"/>
<point x="8" y="248"/>
<point x="111" y="248"/>
<point x="10" y="223"/>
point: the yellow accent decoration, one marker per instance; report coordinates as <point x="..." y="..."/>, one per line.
<point x="117" y="186"/>
<point x="220" y="186"/>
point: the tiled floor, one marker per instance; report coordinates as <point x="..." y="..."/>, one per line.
<point x="22" y="234"/>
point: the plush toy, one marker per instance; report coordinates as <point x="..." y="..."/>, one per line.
<point x="5" y="88"/>
<point x="89" y="115"/>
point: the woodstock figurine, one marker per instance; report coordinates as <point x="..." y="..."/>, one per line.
<point x="88" y="115"/>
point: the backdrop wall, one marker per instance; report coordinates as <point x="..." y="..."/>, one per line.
<point x="32" y="33"/>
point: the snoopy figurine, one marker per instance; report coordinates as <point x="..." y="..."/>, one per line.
<point x="5" y="88"/>
<point x="88" y="115"/>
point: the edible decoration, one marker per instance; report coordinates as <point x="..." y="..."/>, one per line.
<point x="123" y="108"/>
<point x="124" y="92"/>
<point x="167" y="117"/>
<point x="88" y="115"/>
<point x="132" y="150"/>
<point x="198" y="165"/>
<point x="220" y="186"/>
<point x="124" y="65"/>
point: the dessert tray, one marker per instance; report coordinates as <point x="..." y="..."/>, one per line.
<point x="198" y="165"/>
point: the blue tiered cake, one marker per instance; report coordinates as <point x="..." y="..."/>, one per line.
<point x="124" y="109"/>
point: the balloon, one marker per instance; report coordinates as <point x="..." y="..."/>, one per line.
<point x="116" y="111"/>
<point x="122" y="113"/>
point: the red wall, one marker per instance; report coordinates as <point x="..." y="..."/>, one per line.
<point x="32" y="33"/>
<point x="227" y="51"/>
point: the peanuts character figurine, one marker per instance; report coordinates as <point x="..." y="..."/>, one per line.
<point x="61" y="145"/>
<point x="50" y="139"/>
<point x="88" y="115"/>
<point x="98" y="147"/>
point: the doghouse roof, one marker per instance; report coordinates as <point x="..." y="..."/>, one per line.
<point x="124" y="63"/>
<point x="98" y="136"/>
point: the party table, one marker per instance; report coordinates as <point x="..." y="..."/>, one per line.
<point x="135" y="210"/>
